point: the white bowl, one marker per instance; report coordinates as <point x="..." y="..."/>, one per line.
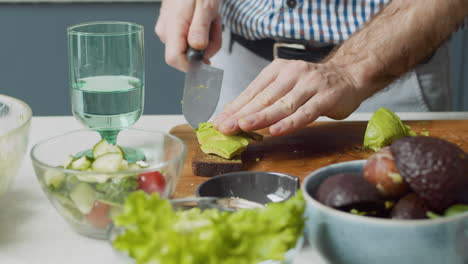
<point x="15" y="119"/>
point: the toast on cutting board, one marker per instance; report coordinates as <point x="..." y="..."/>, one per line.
<point x="219" y="154"/>
<point x="209" y="165"/>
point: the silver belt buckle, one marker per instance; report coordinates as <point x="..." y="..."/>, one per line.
<point x="278" y="45"/>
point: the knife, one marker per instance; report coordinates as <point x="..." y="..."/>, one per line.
<point x="201" y="89"/>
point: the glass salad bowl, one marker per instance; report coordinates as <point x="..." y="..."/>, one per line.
<point x="87" y="179"/>
<point x="15" y="119"/>
<point x="207" y="230"/>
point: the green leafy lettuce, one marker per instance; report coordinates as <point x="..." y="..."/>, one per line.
<point x="155" y="233"/>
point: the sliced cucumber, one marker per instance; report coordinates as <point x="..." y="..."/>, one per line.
<point x="93" y="178"/>
<point x="131" y="166"/>
<point x="68" y="162"/>
<point x="134" y="166"/>
<point x="83" y="163"/>
<point x="142" y="164"/>
<point x="109" y="162"/>
<point x="70" y="182"/>
<point x="110" y="203"/>
<point x="83" y="196"/>
<point x="54" y="178"/>
<point x="121" y="176"/>
<point x="62" y="199"/>
<point x="72" y="213"/>
<point x="103" y="147"/>
<point x="69" y="207"/>
<point x="123" y="165"/>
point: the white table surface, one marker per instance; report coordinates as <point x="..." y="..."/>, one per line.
<point x="31" y="231"/>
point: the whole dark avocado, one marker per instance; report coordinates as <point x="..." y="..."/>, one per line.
<point x="410" y="207"/>
<point x="347" y="191"/>
<point x="435" y="169"/>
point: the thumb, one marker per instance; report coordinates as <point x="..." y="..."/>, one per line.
<point x="199" y="33"/>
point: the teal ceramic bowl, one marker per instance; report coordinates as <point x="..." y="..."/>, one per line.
<point x="352" y="239"/>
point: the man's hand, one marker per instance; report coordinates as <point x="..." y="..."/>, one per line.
<point x="189" y="22"/>
<point x="288" y="95"/>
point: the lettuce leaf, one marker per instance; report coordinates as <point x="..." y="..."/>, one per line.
<point x="155" y="233"/>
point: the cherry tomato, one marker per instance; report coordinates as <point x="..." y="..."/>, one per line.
<point x="98" y="215"/>
<point x="151" y="182"/>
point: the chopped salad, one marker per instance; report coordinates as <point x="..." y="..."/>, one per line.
<point x="97" y="197"/>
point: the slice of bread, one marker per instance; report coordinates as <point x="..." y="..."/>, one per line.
<point x="209" y="165"/>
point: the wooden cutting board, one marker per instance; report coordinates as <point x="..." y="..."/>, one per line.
<point x="316" y="146"/>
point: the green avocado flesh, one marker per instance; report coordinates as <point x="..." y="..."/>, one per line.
<point x="214" y="142"/>
<point x="383" y="128"/>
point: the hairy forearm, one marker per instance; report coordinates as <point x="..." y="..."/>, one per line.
<point x="401" y="36"/>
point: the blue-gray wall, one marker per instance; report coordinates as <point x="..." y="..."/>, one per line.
<point x="33" y="55"/>
<point x="459" y="58"/>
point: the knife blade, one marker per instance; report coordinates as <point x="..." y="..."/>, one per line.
<point x="201" y="89"/>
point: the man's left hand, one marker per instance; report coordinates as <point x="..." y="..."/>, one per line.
<point x="288" y="95"/>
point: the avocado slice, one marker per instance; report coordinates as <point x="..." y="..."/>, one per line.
<point x="225" y="148"/>
<point x="214" y="142"/>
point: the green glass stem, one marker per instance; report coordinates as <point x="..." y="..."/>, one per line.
<point x="133" y="155"/>
<point x="110" y="135"/>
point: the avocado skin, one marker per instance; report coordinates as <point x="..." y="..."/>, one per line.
<point x="348" y="191"/>
<point x="435" y="169"/>
<point x="410" y="206"/>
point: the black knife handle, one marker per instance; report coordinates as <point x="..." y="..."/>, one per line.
<point x="194" y="54"/>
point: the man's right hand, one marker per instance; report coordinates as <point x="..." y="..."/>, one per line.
<point x="189" y="22"/>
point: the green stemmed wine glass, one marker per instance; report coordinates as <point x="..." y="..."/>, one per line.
<point x="106" y="75"/>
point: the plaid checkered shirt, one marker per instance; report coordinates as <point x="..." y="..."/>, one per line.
<point x="328" y="21"/>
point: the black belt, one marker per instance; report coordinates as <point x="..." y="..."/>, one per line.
<point x="270" y="49"/>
